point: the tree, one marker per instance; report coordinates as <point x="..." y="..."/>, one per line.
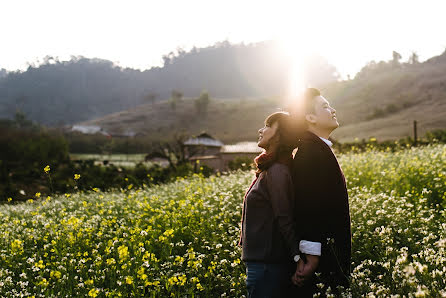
<point x="202" y="102"/>
<point x="396" y="57"/>
<point x="21" y="121"/>
<point x="413" y="59"/>
<point x="150" y="97"/>
<point x="318" y="72"/>
<point x="175" y="98"/>
<point x="174" y="151"/>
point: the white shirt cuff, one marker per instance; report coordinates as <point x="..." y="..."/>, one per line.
<point x="310" y="248"/>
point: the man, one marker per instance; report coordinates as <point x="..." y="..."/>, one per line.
<point x="322" y="209"/>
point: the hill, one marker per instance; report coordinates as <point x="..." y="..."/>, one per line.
<point x="382" y="101"/>
<point x="67" y="92"/>
<point x="230" y="120"/>
<point x="386" y="97"/>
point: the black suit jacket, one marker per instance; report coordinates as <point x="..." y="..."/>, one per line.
<point x="322" y="209"/>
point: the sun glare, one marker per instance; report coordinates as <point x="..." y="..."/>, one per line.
<point x="295" y="54"/>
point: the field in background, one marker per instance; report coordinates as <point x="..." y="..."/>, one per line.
<point x="119" y="160"/>
<point x="181" y="238"/>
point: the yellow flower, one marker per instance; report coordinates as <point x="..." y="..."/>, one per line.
<point x="149" y="283"/>
<point x="93" y="293"/>
<point x="47" y="169"/>
<point x="9" y="199"/>
<point x="182" y="280"/>
<point x="141" y="271"/>
<point x="123" y="252"/>
<point x="172" y="280"/>
<point x="44" y="283"/>
<point x="17" y="246"/>
<point x="40" y="264"/>
<point x="77" y="176"/>
<point x="128" y="280"/>
<point x="55" y="274"/>
<point x="37" y="194"/>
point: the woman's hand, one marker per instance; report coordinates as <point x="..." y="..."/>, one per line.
<point x="305" y="270"/>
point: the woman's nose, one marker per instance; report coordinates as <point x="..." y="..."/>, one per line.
<point x="260" y="130"/>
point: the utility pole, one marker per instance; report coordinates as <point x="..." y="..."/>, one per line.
<point x="415" y="138"/>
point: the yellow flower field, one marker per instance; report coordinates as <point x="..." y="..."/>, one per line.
<point x="180" y="239"/>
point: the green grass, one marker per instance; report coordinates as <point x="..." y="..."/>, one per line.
<point x="180" y="239"/>
<point x="109" y="157"/>
<point x="119" y="160"/>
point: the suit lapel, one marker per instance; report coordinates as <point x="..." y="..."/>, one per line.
<point x="328" y="151"/>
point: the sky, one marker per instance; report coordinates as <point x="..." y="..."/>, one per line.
<point x="137" y="34"/>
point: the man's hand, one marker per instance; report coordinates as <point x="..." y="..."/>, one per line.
<point x="305" y="270"/>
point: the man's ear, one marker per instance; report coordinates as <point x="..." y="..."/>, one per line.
<point x="310" y="118"/>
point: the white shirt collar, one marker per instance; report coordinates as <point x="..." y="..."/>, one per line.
<point x="328" y="142"/>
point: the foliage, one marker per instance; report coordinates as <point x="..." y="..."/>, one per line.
<point x="23" y="154"/>
<point x="201" y="103"/>
<point x="98" y="143"/>
<point x="180" y="239"/>
<point x="26" y="151"/>
<point x="241" y="163"/>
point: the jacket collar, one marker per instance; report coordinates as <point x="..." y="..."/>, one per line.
<point x="308" y="136"/>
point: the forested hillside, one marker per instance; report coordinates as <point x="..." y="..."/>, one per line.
<point x="382" y="101"/>
<point x="66" y="92"/>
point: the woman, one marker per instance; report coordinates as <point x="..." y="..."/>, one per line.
<point x="268" y="238"/>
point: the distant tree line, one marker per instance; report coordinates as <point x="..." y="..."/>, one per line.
<point x="26" y="149"/>
<point x="64" y="92"/>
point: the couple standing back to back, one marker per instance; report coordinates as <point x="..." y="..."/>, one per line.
<point x="295" y="232"/>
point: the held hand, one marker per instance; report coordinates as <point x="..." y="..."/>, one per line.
<point x="296" y="279"/>
<point x="304" y="271"/>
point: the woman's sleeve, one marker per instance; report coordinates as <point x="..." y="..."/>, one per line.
<point x="280" y="190"/>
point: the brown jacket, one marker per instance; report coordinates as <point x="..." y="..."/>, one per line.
<point x="268" y="228"/>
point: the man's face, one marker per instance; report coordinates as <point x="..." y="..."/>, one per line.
<point x="324" y="116"/>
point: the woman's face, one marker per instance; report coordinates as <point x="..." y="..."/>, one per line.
<point x="266" y="135"/>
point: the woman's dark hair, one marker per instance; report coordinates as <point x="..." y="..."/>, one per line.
<point x="287" y="132"/>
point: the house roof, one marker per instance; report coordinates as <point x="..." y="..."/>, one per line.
<point x="203" y="139"/>
<point x="89" y="129"/>
<point x="242" y="147"/>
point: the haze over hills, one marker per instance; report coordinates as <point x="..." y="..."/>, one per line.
<point x="245" y="83"/>
<point x="382" y="101"/>
<point x="3" y="73"/>
<point x="66" y="92"/>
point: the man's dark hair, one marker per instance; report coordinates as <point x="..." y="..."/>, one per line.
<point x="308" y="99"/>
<point x="305" y="104"/>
